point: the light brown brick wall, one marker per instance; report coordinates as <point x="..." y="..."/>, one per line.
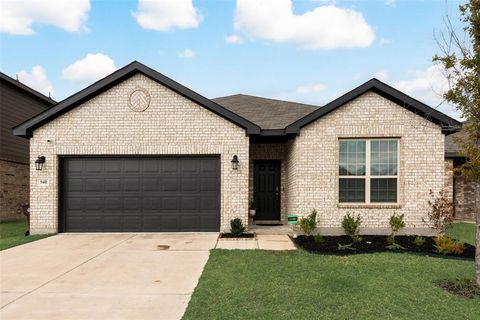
<point x="14" y="189"/>
<point x="312" y="162"/>
<point x="172" y="125"/>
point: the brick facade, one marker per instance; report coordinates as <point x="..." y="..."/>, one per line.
<point x="462" y="192"/>
<point x="174" y="125"/>
<point x="312" y="164"/>
<point x="105" y="125"/>
<point x="14" y="189"/>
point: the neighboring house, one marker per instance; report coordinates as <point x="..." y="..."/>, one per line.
<point x="461" y="191"/>
<point x="137" y="151"/>
<point x="17" y="104"/>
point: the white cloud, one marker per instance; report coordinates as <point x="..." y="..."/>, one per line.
<point x="428" y="86"/>
<point x="36" y="79"/>
<point x="382" y="75"/>
<point x="89" y="69"/>
<point x="325" y="27"/>
<point x="233" y="39"/>
<point x="391" y="3"/>
<point x="187" y="53"/>
<point x="165" y="15"/>
<point x="313" y="88"/>
<point x="17" y="17"/>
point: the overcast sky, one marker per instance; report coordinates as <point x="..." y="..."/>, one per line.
<point x="310" y="51"/>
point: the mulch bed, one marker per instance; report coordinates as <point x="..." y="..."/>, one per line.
<point x="243" y="236"/>
<point x="461" y="287"/>
<point x="371" y="243"/>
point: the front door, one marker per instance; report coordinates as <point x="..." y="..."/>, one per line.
<point x="266" y="190"/>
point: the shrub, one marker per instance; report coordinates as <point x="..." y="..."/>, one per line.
<point x="308" y="223"/>
<point x="351" y="224"/>
<point x="441" y="211"/>
<point x="251" y="205"/>
<point x="318" y="239"/>
<point x="396" y="223"/>
<point x="236" y="227"/>
<point x="419" y="241"/>
<point x="447" y="245"/>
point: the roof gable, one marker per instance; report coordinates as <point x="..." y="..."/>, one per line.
<point x="26" y="89"/>
<point x="448" y="124"/>
<point x="26" y="128"/>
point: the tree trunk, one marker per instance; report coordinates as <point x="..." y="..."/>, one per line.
<point x="477" y="250"/>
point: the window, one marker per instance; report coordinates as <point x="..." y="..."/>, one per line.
<point x="368" y="171"/>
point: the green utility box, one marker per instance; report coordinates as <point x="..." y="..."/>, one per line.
<point x="292" y="219"/>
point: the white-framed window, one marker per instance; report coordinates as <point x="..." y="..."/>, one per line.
<point x="368" y="171"/>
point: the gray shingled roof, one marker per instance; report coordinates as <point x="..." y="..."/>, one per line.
<point x="264" y="112"/>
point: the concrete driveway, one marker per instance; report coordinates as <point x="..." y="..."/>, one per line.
<point x="103" y="276"/>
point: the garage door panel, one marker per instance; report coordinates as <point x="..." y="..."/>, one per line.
<point x="113" y="203"/>
<point x="132" y="184"/>
<point x="74" y="185"/>
<point x="150" y="184"/>
<point x="189" y="184"/>
<point x="150" y="166"/>
<point x="113" y="165"/>
<point x="94" y="166"/>
<point x="131" y="203"/>
<point x="93" y="204"/>
<point x="140" y="194"/>
<point x="170" y="203"/>
<point x="132" y="165"/>
<point x="93" y="185"/>
<point x="170" y="184"/>
<point x="113" y="184"/>
<point x="170" y="166"/>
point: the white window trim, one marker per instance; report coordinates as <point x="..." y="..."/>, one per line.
<point x="367" y="175"/>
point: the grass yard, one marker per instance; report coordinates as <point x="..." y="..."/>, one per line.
<point x="13" y="234"/>
<point x="462" y="231"/>
<point x="256" y="284"/>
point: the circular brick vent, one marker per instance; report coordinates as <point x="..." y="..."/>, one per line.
<point x="139" y="100"/>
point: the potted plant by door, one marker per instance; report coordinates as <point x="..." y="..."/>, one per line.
<point x="252" y="210"/>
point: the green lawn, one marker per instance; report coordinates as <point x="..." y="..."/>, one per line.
<point x="462" y="231"/>
<point x="255" y="284"/>
<point x="13" y="234"/>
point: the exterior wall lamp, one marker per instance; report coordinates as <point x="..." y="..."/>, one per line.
<point x="235" y="162"/>
<point x="39" y="162"/>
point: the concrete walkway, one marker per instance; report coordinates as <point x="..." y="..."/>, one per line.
<point x="262" y="242"/>
<point x="103" y="276"/>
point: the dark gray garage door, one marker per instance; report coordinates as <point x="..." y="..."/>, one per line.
<point x="139" y="194"/>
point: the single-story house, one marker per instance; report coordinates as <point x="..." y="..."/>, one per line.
<point x="137" y="151"/>
<point x="18" y="103"/>
<point x="462" y="192"/>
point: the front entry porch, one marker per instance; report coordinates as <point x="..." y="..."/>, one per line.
<point x="267" y="187"/>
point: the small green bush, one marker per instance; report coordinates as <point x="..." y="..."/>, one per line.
<point x="396" y="223"/>
<point x="308" y="223"/>
<point x="236" y="227"/>
<point x="447" y="245"/>
<point x="419" y="241"/>
<point x="351" y="224"/>
<point x="318" y="239"/>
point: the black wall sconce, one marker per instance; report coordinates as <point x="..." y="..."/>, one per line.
<point x="235" y="162"/>
<point x="39" y="162"/>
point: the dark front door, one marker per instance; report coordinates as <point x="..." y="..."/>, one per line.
<point x="266" y="190"/>
<point x="140" y="194"/>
